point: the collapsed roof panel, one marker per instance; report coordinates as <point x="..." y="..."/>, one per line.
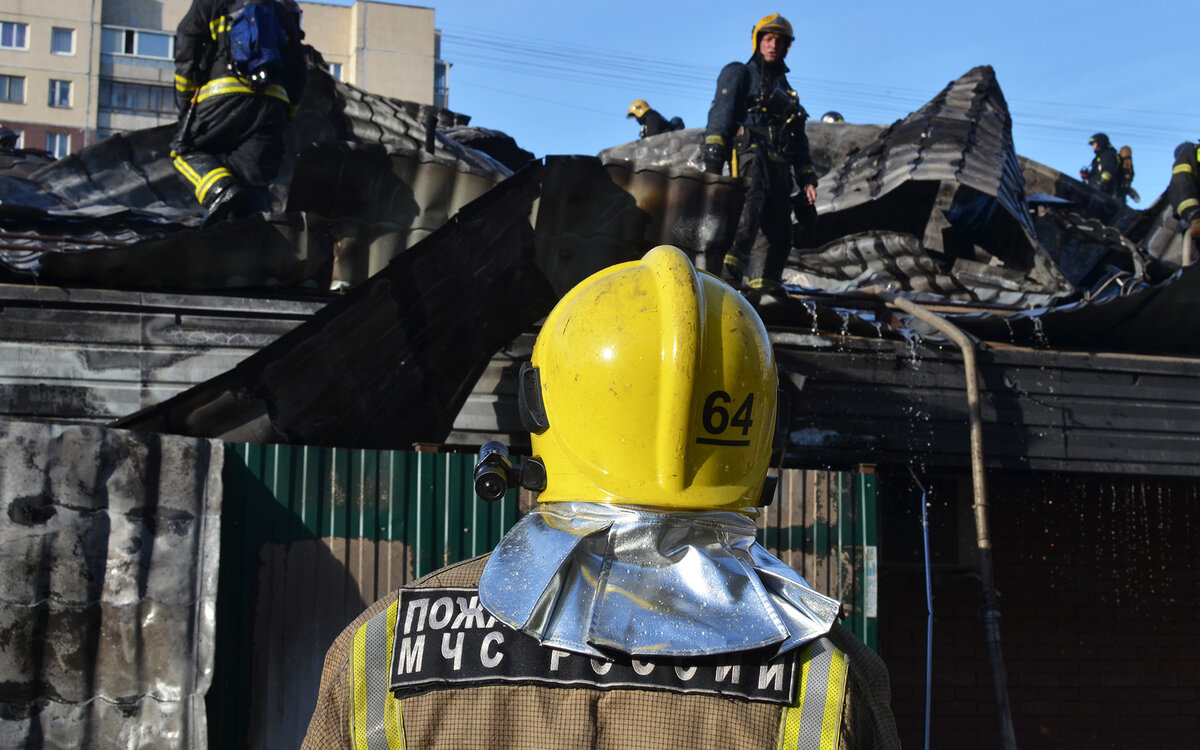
<point x="960" y="140"/>
<point x="392" y="362"/>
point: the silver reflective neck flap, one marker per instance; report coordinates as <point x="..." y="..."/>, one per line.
<point x="585" y="577"/>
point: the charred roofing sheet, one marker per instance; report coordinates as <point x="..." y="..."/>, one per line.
<point x="110" y="543"/>
<point x="391" y="363"/>
<point x="116" y="196"/>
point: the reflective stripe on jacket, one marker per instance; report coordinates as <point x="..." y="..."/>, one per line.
<point x="377" y="717"/>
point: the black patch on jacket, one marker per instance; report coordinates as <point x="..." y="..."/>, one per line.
<point x="444" y="639"/>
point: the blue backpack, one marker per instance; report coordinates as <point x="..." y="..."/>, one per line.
<point x="257" y="42"/>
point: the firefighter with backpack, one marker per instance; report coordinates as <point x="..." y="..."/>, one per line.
<point x="240" y="69"/>
<point x="1104" y="173"/>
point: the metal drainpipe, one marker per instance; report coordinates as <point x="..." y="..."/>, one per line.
<point x="991" y="601"/>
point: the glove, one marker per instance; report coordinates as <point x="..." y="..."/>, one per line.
<point x="1194" y="229"/>
<point x="713" y="157"/>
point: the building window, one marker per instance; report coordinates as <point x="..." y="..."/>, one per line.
<point x="137" y="97"/>
<point x="58" y="144"/>
<point x="12" y="35"/>
<point x="335" y="70"/>
<point x="62" y="41"/>
<point x="60" y="93"/>
<point x="12" y="89"/>
<point x="137" y="43"/>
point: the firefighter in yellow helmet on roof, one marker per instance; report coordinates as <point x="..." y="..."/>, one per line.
<point x="756" y="124"/>
<point x="651" y="121"/>
<point x="633" y="607"/>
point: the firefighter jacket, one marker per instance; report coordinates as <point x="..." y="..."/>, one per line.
<point x="1184" y="189"/>
<point x="756" y="107"/>
<point x="464" y="680"/>
<point x="202" y="56"/>
<point x="1105" y="171"/>
<point x="653" y="123"/>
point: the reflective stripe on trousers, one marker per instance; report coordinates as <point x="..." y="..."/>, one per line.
<point x="375" y="721"/>
<point x="202" y="184"/>
<point x="815" y="719"/>
<point x="813" y="722"/>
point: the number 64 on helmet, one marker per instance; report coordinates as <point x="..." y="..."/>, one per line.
<point x="653" y="384"/>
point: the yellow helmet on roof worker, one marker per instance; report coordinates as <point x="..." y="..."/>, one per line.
<point x="655" y="386"/>
<point x="638" y="108"/>
<point x="772" y="24"/>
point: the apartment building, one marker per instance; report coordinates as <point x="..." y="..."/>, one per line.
<point x="75" y="71"/>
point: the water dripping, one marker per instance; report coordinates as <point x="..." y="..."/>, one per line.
<point x="1039" y="334"/>
<point x="911" y="340"/>
<point x="811" y="307"/>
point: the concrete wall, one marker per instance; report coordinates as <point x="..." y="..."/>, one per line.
<point x="384" y="48"/>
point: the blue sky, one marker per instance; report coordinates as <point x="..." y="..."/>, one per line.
<point x="559" y="75"/>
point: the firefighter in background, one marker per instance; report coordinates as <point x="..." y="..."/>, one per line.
<point x="832" y="116"/>
<point x="1183" y="191"/>
<point x="1104" y="173"/>
<point x="651" y="121"/>
<point x="633" y="607"/>
<point x="235" y="104"/>
<point x="756" y="123"/>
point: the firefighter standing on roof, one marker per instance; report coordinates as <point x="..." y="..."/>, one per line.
<point x="633" y="607"/>
<point x="230" y="141"/>
<point x="756" y="123"/>
<point x="1104" y="173"/>
<point x="1184" y="189"/>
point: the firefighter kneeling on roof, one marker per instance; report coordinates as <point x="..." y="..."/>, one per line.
<point x="633" y="607"/>
<point x="240" y="69"/>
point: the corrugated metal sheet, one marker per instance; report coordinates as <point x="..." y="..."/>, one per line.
<point x="313" y="536"/>
<point x="109" y="543"/>
<point x="824" y="525"/>
<point x="963" y="139"/>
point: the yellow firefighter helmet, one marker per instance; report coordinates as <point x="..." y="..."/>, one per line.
<point x="772" y="24"/>
<point x="656" y="386"/>
<point x="638" y="108"/>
